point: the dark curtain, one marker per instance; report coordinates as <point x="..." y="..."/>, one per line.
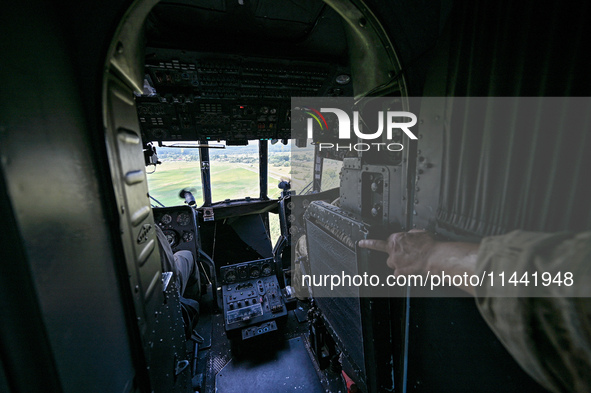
<point x="513" y="162"/>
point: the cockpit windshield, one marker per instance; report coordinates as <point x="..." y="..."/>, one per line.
<point x="179" y="169"/>
<point x="234" y="171"/>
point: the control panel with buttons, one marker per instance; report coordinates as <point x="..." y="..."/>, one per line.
<point x="251" y="303"/>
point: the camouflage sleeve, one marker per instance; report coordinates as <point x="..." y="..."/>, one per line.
<point x="550" y="337"/>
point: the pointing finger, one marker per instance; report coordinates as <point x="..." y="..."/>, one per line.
<point x="373" y="244"/>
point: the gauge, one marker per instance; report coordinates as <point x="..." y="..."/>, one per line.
<point x="158" y="133"/>
<point x="343" y="79"/>
<point x="242" y="272"/>
<point x="166" y="219"/>
<point x="267" y="269"/>
<point x="172" y="237"/>
<point x="255" y="272"/>
<point x="183" y="219"/>
<point x="187" y="236"/>
<point x="230" y="276"/>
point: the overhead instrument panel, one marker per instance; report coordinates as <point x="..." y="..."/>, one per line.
<point x="199" y="96"/>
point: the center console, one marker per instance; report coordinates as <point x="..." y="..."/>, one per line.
<point x="252" y="298"/>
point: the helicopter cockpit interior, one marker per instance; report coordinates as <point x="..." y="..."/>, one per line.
<point x="205" y="86"/>
<point x="138" y="118"/>
<point x="225" y="72"/>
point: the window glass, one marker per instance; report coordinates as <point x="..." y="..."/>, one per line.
<point x="302" y="168"/>
<point x="180" y="169"/>
<point x="234" y="172"/>
<point x="279" y="167"/>
<point x="331" y="170"/>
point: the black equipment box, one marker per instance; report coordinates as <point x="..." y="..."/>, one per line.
<point x="358" y="322"/>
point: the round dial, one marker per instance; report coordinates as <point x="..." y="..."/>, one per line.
<point x="230" y="276"/>
<point x="187" y="236"/>
<point x="172" y="237"/>
<point x="255" y="272"/>
<point x="166" y="219"/>
<point x="183" y="219"/>
<point x="158" y="133"/>
<point x="343" y="79"/>
<point x="267" y="269"/>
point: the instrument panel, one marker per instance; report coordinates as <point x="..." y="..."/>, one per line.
<point x="248" y="270"/>
<point x="253" y="302"/>
<point x="252" y="297"/>
<point x="203" y="96"/>
<point x="179" y="225"/>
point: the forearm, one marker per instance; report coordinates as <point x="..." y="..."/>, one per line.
<point x="454" y="258"/>
<point x="417" y="252"/>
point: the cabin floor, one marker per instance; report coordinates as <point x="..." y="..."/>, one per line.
<point x="280" y="361"/>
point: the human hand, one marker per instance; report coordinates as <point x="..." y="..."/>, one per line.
<point x="408" y="252"/>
